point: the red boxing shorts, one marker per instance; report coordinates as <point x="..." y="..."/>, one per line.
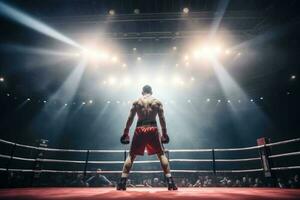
<point x="146" y="138"/>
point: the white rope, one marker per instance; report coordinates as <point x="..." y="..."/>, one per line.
<point x="190" y="150"/>
<point x="239" y="149"/>
<point x="134" y="172"/>
<point x="285" y="168"/>
<point x="121" y="162"/>
<point x="190" y="160"/>
<point x="172" y="150"/>
<point x="239" y="171"/>
<point x="283" y="142"/>
<point x="237" y="160"/>
<point x="285" y="154"/>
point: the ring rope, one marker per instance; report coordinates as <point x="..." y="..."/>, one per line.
<point x="121" y="162"/>
<point x="172" y="150"/>
<point x="283" y="142"/>
<point x="285" y="168"/>
<point x="285" y="154"/>
<point x="135" y="172"/>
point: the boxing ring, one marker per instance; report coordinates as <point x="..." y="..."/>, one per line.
<point x="264" y="158"/>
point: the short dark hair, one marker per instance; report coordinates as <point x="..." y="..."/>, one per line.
<point x="147" y="89"/>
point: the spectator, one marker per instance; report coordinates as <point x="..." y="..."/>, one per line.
<point x="199" y="182"/>
<point x="78" y="182"/>
<point x="257" y="183"/>
<point x="98" y="180"/>
<point x="244" y="182"/>
<point x="237" y="183"/>
<point x="296" y="182"/>
<point x="280" y="183"/>
<point x="157" y="183"/>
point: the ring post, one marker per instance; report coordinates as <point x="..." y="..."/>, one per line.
<point x="266" y="162"/>
<point x="213" y="165"/>
<point x="213" y="161"/>
<point x="12" y="152"/>
<point x="86" y="162"/>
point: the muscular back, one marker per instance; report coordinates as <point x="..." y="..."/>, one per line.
<point x="146" y="108"/>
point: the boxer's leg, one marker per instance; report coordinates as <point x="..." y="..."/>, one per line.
<point x="166" y="168"/>
<point x="164" y="164"/>
<point x="127" y="165"/>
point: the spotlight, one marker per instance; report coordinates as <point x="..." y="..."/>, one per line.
<point x="186" y="57"/>
<point x="66" y="104"/>
<point x="83" y="103"/>
<point x="8" y="94"/>
<point x="126" y="81"/>
<point x="118" y="102"/>
<point x="112" y="80"/>
<point x="185" y="10"/>
<point x="177" y="80"/>
<point x="192" y="78"/>
<point x="90" y="101"/>
<point x="136" y="11"/>
<point x="208" y="51"/>
<point x="228" y="101"/>
<point x="28" y="99"/>
<point x="197" y="53"/>
<point x="189" y="101"/>
<point x="45" y="101"/>
<point x="111" y="12"/>
<point x="176" y="65"/>
<point x="139" y="58"/>
<point x="292" y="77"/>
<point x="114" y="59"/>
<point x="187" y="64"/>
<point x="207" y="100"/>
<point x="228" y="52"/>
<point x="124" y="65"/>
<point x="1" y="79"/>
<point x="219" y="100"/>
<point x="251" y="100"/>
<point x="108" y="102"/>
<point x="261" y="98"/>
<point x="134" y="49"/>
<point x="174" y="48"/>
<point x="104" y="82"/>
<point x="217" y="49"/>
<point x="239" y="54"/>
<point x="239" y="101"/>
<point x="95" y="54"/>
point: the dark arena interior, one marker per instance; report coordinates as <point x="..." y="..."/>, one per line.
<point x="225" y="81"/>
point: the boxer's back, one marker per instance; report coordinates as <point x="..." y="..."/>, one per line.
<point x="147" y="108"/>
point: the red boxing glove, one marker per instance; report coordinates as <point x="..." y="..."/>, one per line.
<point x="165" y="138"/>
<point x="125" y="139"/>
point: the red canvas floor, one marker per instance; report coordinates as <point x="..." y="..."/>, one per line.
<point x="148" y="193"/>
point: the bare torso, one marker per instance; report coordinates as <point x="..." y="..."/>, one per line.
<point x="147" y="108"/>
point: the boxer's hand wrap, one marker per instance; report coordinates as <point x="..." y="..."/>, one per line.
<point x="165" y="138"/>
<point x="125" y="137"/>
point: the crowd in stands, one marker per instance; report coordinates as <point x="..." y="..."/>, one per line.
<point x="17" y="179"/>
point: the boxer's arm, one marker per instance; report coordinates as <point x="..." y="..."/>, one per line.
<point x="162" y="119"/>
<point x="130" y="117"/>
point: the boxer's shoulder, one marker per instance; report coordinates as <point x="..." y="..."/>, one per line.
<point x="157" y="102"/>
<point x="135" y="102"/>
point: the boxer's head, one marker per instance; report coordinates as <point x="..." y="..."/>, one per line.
<point x="147" y="90"/>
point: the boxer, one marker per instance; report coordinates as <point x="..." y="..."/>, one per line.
<point x="146" y="135"/>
